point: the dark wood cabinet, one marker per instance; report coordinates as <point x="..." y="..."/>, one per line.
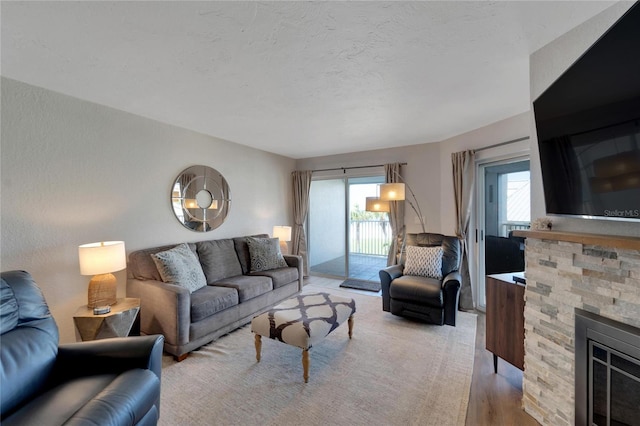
<point x="505" y="319"/>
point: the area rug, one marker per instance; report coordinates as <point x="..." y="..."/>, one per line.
<point x="393" y="372"/>
<point x="361" y="285"/>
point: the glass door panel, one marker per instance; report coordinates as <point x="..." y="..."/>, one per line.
<point x="327" y="230"/>
<point x="369" y="232"/>
<point x="503" y="206"/>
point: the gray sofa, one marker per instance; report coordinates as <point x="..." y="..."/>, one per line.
<point x="232" y="297"/>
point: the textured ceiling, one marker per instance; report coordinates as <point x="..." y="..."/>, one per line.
<point x="300" y="79"/>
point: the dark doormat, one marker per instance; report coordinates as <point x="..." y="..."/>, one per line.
<point x="361" y="285"/>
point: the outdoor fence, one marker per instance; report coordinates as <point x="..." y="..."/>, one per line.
<point x="370" y="237"/>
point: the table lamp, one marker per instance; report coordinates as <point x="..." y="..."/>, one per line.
<point x="100" y="259"/>
<point x="283" y="233"/>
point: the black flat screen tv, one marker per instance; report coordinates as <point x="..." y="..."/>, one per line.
<point x="588" y="126"/>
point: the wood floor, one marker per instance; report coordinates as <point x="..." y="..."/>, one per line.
<point x="495" y="399"/>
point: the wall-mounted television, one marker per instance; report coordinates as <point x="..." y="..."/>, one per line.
<point x="588" y="126"/>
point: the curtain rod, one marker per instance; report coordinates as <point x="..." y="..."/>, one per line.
<point x="502" y="143"/>
<point x="353" y="167"/>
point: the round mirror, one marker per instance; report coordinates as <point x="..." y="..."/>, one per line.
<point x="200" y="198"/>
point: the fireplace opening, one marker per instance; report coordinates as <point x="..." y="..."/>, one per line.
<point x="607" y="371"/>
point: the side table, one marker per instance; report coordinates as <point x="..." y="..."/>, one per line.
<point x="122" y="321"/>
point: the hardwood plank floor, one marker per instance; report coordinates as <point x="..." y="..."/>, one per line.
<point x="495" y="399"/>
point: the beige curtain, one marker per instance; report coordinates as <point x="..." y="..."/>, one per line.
<point x="301" y="187"/>
<point x="396" y="215"/>
<point x="463" y="182"/>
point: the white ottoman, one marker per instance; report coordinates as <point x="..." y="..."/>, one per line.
<point x="303" y="321"/>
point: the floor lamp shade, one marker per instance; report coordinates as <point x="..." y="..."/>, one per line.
<point x="100" y="260"/>
<point x="392" y="192"/>
<point x="375" y="204"/>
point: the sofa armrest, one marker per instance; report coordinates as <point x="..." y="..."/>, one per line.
<point x="295" y="261"/>
<point x="114" y="355"/>
<point x="387" y="275"/>
<point x="164" y="309"/>
<point x="451" y="290"/>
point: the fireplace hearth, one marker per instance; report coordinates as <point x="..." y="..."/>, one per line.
<point x="607" y="380"/>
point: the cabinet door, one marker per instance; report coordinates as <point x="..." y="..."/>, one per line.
<point x="505" y="321"/>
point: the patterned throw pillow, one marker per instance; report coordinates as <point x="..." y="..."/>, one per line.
<point x="180" y="266"/>
<point x="265" y="254"/>
<point x="424" y="261"/>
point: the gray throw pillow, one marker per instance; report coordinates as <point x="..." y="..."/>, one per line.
<point x="180" y="266"/>
<point x="265" y="254"/>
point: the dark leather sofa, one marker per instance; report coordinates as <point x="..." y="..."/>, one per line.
<point x="422" y="298"/>
<point x="104" y="382"/>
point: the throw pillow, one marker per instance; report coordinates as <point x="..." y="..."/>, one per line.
<point x="265" y="254"/>
<point x="180" y="266"/>
<point x="424" y="261"/>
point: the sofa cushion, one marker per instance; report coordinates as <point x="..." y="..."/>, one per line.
<point x="280" y="276"/>
<point x="248" y="286"/>
<point x="418" y="290"/>
<point x="242" y="250"/>
<point x="210" y="300"/>
<point x="141" y="265"/>
<point x="180" y="266"/>
<point x="218" y="259"/>
<point x="265" y="254"/>
<point x="424" y="261"/>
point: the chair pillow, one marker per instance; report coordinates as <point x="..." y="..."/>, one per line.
<point x="180" y="266"/>
<point x="265" y="254"/>
<point x="424" y="261"/>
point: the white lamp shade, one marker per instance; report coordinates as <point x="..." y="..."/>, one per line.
<point x="102" y="258"/>
<point x="283" y="233"/>
<point x="392" y="191"/>
<point x="375" y="204"/>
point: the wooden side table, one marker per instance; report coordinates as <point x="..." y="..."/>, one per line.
<point x="122" y="321"/>
<point x="505" y="319"/>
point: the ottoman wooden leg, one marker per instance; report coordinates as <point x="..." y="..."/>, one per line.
<point x="305" y="365"/>
<point x="258" y="346"/>
<point x="350" y="322"/>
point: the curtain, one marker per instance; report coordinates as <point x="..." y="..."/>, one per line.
<point x="301" y="187"/>
<point x="463" y="182"/>
<point x="396" y="215"/>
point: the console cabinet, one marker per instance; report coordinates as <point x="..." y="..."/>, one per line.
<point x="505" y="319"/>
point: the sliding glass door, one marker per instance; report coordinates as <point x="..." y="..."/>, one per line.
<point x="327" y="230"/>
<point x="346" y="241"/>
<point x="503" y="206"/>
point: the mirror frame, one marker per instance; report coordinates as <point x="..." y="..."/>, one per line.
<point x="200" y="198"/>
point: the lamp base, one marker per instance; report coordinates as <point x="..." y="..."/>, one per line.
<point x="102" y="290"/>
<point x="284" y="247"/>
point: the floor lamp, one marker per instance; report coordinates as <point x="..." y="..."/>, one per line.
<point x="396" y="192"/>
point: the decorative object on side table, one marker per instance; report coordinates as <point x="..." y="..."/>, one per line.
<point x="283" y="233"/>
<point x="100" y="260"/>
<point x="541" y="224"/>
<point x="121" y="321"/>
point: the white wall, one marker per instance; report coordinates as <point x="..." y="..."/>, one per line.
<point x="429" y="171"/>
<point x="74" y="172"/>
<point x="546" y="65"/>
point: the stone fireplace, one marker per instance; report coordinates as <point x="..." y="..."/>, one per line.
<point x="594" y="273"/>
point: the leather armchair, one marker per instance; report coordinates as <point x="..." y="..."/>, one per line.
<point x="111" y="381"/>
<point x="426" y="299"/>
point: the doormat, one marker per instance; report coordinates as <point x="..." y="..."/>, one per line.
<point x="361" y="285"/>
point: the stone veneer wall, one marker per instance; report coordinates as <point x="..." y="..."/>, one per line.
<point x="563" y="275"/>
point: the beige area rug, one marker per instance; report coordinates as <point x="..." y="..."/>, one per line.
<point x="393" y="372"/>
